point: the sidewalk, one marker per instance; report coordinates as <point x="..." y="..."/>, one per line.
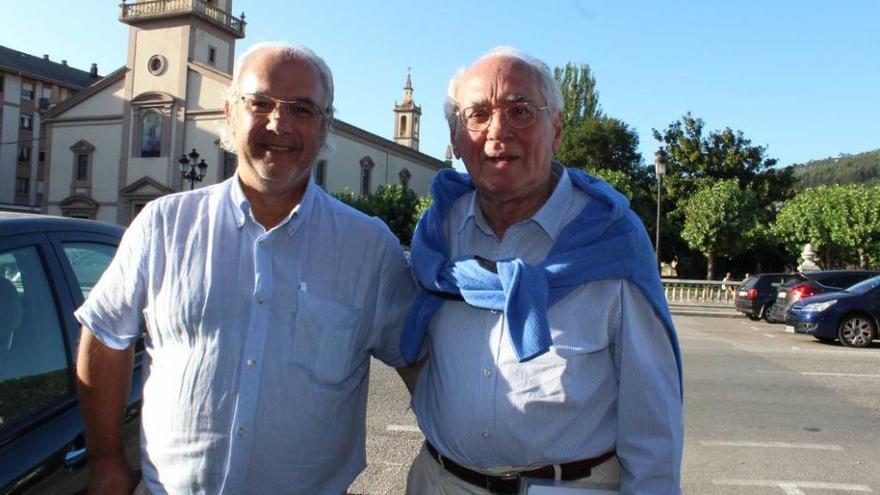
<point x="712" y="310"/>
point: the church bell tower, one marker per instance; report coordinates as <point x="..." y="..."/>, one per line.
<point x="407" y="116"/>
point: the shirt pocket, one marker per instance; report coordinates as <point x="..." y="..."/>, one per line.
<point x="326" y="338"/>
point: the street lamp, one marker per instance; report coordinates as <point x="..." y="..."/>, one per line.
<point x="660" y="171"/>
<point x="189" y="166"/>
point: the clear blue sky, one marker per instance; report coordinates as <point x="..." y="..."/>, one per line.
<point x="801" y="77"/>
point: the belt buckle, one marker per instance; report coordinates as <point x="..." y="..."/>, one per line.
<point x="499" y="484"/>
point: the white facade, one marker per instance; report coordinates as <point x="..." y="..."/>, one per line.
<point x="116" y="145"/>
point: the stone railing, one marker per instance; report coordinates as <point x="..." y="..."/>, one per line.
<point x="156" y="8"/>
<point x="699" y="292"/>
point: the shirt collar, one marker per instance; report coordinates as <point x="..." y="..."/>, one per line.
<point x="549" y="217"/>
<point x="242" y="208"/>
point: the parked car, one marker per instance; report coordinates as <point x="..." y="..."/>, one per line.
<point x="758" y="293"/>
<point x="47" y="265"/>
<point x="850" y="316"/>
<point x="812" y="283"/>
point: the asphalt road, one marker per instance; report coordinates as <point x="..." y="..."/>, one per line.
<point x="767" y="412"/>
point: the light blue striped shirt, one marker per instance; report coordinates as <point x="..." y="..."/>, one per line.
<point x="609" y="382"/>
<point x="258" y="343"/>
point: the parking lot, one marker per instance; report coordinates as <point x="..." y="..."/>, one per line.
<point x="767" y="412"/>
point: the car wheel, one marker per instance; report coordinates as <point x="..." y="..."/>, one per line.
<point x="856" y="331"/>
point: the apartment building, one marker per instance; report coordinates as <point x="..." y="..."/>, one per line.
<point x="29" y="87"/>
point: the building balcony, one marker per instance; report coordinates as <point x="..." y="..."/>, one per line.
<point x="136" y="12"/>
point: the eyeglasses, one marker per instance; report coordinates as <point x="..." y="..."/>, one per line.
<point x="518" y="115"/>
<point x="303" y="110"/>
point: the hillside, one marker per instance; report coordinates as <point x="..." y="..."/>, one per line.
<point x="861" y="168"/>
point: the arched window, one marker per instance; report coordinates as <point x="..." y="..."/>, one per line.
<point x="367" y="165"/>
<point x="151" y="134"/>
<point x="403" y="125"/>
<point x="405" y="176"/>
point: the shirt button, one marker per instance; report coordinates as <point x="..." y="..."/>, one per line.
<point x="250" y="363"/>
<point x="487" y="372"/>
<point x="487" y="434"/>
<point x="240" y="431"/>
<point x="260" y="299"/>
<point x="262" y="242"/>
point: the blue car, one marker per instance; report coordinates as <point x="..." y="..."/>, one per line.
<point x="850" y="316"/>
<point x="48" y="265"/>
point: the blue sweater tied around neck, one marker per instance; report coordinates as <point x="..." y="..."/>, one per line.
<point x="605" y="241"/>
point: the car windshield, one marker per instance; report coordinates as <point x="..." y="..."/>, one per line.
<point x="750" y="283"/>
<point x="864" y="285"/>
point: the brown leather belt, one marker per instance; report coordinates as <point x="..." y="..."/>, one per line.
<point x="509" y="484"/>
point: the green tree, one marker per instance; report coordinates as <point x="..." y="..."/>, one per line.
<point x="396" y="205"/>
<point x="719" y="220"/>
<point x="696" y="160"/>
<point x="602" y="146"/>
<point x="841" y="222"/>
<point x="580" y="101"/>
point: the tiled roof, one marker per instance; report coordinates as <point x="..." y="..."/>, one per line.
<point x="40" y="68"/>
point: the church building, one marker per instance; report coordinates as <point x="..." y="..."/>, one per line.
<point x="131" y="136"/>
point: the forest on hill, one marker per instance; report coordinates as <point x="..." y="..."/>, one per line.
<point x="860" y="168"/>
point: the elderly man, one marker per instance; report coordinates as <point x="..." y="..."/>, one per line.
<point x="551" y="353"/>
<point x="264" y="299"/>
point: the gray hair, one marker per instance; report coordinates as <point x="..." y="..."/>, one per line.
<point x="288" y="51"/>
<point x="547" y="84"/>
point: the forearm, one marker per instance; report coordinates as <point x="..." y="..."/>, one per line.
<point x="103" y="384"/>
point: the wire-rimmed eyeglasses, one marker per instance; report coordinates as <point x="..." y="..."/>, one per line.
<point x="519" y="115"/>
<point x="305" y="110"/>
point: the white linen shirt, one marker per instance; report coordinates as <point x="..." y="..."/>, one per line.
<point x="258" y="343"/>
<point x="608" y="382"/>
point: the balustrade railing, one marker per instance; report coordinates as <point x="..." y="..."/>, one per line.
<point x="202" y="7"/>
<point x="700" y="292"/>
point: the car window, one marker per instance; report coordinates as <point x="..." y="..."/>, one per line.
<point x="88" y="261"/>
<point x="865" y="285"/>
<point x="33" y="362"/>
<point x="750" y="283"/>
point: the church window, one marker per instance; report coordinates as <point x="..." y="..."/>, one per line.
<point x="405" y="176"/>
<point x="151" y="134"/>
<point x="366" y="174"/>
<point x="157" y="64"/>
<point x="82" y="167"/>
<point x="82" y="163"/>
<point x="212" y="55"/>
<point x="403" y="125"/>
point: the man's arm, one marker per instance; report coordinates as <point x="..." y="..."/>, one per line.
<point x="649" y="408"/>
<point x="103" y="383"/>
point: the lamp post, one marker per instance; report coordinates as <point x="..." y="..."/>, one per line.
<point x="660" y="171"/>
<point x="192" y="169"/>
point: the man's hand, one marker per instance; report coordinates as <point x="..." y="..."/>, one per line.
<point x="103" y="379"/>
<point x="111" y="476"/>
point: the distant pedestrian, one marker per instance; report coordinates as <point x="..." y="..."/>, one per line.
<point x="727" y="284"/>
